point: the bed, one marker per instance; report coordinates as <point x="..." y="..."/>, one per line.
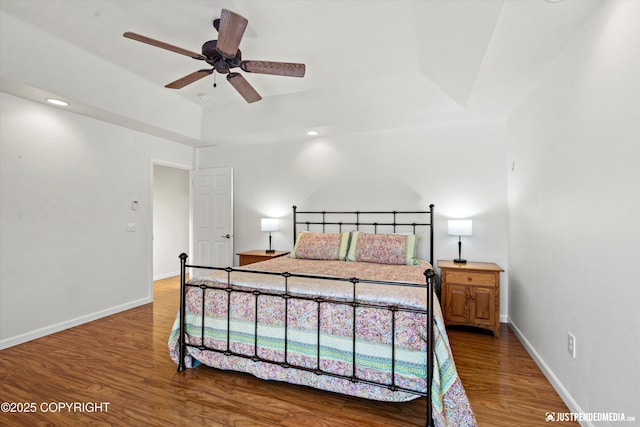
<point x="351" y="310"/>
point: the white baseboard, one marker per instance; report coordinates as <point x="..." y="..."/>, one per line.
<point x="39" y="333"/>
<point x="555" y="382"/>
<point x="166" y="275"/>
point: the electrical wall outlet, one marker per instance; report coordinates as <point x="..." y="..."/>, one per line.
<point x="571" y="345"/>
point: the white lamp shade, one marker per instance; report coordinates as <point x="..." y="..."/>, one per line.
<point x="269" y="224"/>
<point x="460" y="227"/>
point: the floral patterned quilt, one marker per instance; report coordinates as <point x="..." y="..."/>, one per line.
<point x="380" y="358"/>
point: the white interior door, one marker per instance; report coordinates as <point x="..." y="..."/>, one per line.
<point x="213" y="217"/>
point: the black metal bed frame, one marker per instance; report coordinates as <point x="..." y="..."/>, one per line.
<point x="353" y="302"/>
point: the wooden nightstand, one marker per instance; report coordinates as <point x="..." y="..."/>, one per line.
<point x="471" y="294"/>
<point x="250" y="257"/>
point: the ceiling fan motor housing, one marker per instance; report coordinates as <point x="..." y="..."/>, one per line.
<point x="215" y="58"/>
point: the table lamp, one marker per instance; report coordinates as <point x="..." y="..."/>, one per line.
<point x="269" y="224"/>
<point x="460" y="227"/>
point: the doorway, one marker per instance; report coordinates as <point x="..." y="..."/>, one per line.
<point x="171" y="219"/>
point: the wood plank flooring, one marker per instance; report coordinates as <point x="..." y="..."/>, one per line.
<point x="123" y="360"/>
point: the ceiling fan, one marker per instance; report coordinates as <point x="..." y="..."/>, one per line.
<point x="223" y="55"/>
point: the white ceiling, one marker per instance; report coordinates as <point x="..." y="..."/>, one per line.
<point x="371" y="64"/>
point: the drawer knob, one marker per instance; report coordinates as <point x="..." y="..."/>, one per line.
<point x="469" y="278"/>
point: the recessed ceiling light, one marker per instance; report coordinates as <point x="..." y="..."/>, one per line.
<point x="58" y="102"/>
<point x="554" y="1"/>
<point x="312" y="133"/>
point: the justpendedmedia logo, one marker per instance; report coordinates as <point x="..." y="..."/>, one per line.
<point x="588" y="416"/>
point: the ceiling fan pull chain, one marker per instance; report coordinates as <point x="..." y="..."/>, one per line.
<point x="214" y="80"/>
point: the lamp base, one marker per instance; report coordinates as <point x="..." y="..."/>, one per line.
<point x="460" y="261"/>
<point x="270" y="251"/>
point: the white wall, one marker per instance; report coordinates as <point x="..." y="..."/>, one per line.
<point x="67" y="182"/>
<point x="460" y="168"/>
<point x="574" y="198"/>
<point x="170" y="219"/>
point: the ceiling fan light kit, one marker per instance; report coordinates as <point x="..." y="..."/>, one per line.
<point x="224" y="55"/>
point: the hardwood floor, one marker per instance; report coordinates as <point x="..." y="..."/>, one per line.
<point x="122" y="363"/>
<point x="503" y="384"/>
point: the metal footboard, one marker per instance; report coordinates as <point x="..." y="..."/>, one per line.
<point x="286" y="296"/>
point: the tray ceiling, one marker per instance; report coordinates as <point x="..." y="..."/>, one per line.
<point x="370" y="64"/>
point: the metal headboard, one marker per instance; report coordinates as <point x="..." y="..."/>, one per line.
<point x="353" y="219"/>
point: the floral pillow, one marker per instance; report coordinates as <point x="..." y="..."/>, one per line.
<point x="324" y="246"/>
<point x="383" y="248"/>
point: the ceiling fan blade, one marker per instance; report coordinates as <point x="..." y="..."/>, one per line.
<point x="163" y="45"/>
<point x="188" y="79"/>
<point x="289" y="69"/>
<point x="243" y="87"/>
<point x="230" y="34"/>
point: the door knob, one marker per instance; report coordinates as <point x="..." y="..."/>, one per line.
<point x="226" y="236"/>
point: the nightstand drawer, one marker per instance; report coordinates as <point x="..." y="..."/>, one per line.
<point x="250" y="257"/>
<point x="471" y="278"/>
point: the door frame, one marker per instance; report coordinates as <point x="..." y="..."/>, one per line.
<point x="159" y="162"/>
